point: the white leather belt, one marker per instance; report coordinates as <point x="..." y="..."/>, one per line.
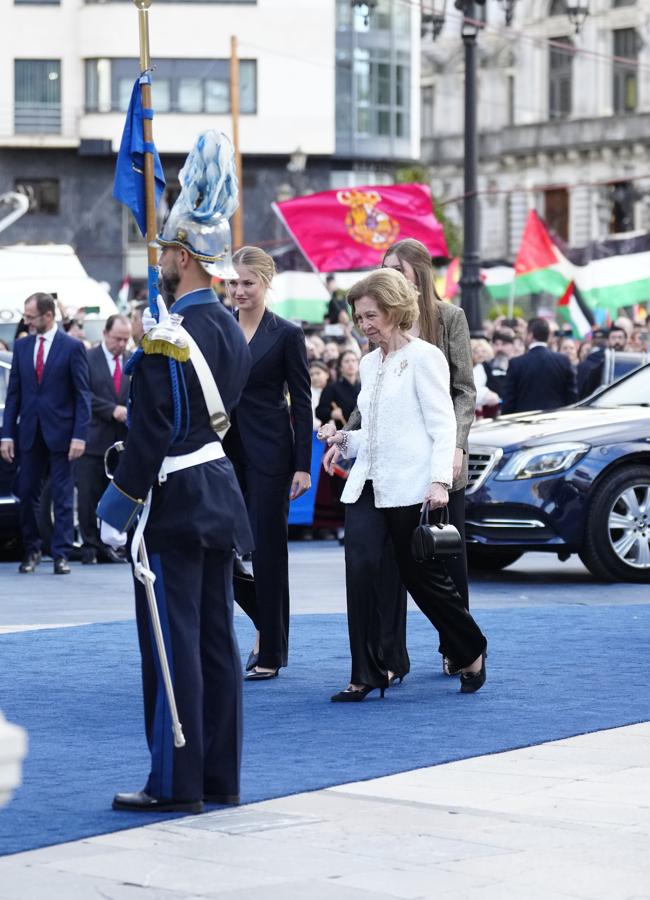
<point x="204" y="454"/>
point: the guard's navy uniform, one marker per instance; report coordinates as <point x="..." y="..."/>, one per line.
<point x="197" y="517"/>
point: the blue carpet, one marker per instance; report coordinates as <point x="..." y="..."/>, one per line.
<point x="553" y="672"/>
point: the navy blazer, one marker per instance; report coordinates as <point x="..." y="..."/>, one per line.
<point x="60" y="404"/>
<point x="202" y="505"/>
<point x="540" y="379"/>
<point x="104" y="429"/>
<point x="267" y="434"/>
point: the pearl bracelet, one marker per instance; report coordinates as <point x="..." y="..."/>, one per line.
<point x="343" y="444"/>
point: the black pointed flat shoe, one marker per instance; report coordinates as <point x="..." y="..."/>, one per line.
<point x="261" y="676"/>
<point x="470" y="682"/>
<point x="253" y="659"/>
<point x="143" y="802"/>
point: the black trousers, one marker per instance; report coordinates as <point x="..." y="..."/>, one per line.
<point x="91" y="484"/>
<point x="193" y="590"/>
<point x="367" y="531"/>
<point x="393" y="593"/>
<point x="266" y="601"/>
<point x="34" y="466"/>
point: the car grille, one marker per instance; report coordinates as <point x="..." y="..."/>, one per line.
<point x="480" y="464"/>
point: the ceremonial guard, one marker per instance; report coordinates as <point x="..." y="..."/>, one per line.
<point x="173" y="482"/>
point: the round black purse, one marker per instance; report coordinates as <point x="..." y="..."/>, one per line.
<point x="435" y="541"/>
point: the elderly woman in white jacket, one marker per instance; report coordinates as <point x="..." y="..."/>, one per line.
<point x="404" y="455"/>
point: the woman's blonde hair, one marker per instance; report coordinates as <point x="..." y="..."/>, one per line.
<point x="416" y="254"/>
<point x="256" y="259"/>
<point x="396" y="297"/>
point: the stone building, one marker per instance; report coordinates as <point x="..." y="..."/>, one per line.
<point x="564" y="119"/>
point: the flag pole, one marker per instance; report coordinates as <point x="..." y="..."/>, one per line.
<point x="147" y="134"/>
<point x="238" y="217"/>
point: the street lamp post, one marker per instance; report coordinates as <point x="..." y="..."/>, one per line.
<point x="470" y="281"/>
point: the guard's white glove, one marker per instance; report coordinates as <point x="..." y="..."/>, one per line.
<point x="149" y="322"/>
<point x="111" y="536"/>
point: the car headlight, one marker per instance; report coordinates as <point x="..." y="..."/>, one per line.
<point x="542" y="461"/>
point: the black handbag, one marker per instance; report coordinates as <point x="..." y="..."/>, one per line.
<point x="438" y="541"/>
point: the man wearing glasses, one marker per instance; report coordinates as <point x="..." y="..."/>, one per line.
<point x="46" y="417"/>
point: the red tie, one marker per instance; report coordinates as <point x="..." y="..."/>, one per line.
<point x="117" y="375"/>
<point x="40" y="359"/>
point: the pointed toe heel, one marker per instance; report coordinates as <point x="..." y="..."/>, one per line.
<point x="356" y="696"/>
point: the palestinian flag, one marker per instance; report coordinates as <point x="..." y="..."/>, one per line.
<point x="540" y="267"/>
<point x="607" y="274"/>
<point x="572" y="310"/>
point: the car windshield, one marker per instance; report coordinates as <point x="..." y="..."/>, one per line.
<point x="631" y="391"/>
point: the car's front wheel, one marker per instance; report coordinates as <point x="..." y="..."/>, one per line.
<point x="486" y="559"/>
<point x="617" y="539"/>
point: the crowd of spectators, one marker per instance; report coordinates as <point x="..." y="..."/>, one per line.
<point x="504" y="339"/>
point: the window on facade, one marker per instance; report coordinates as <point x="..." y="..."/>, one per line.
<point x="618" y="3"/>
<point x="427" y="100"/>
<point x="178" y="85"/>
<point x="622" y="196"/>
<point x="560" y="76"/>
<point x="37" y="96"/>
<point x="42" y="193"/>
<point x="382" y="94"/>
<point x="558" y="8"/>
<point x="625" y="69"/>
<point x="556" y="211"/>
<point x="510" y="88"/>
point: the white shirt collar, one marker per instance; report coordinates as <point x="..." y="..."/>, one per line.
<point x="48" y="335"/>
<point x="537" y="344"/>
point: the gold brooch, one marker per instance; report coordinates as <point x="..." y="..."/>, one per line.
<point x="404" y="363"/>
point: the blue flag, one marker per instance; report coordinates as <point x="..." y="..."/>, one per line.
<point x="128" y="186"/>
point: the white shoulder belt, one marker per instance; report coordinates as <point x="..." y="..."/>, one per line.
<point x="219" y="420"/>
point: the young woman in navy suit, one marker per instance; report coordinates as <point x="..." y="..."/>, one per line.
<point x="269" y="443"/>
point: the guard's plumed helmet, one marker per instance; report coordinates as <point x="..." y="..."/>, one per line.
<point x="198" y="220"/>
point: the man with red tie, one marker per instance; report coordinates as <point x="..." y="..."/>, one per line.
<point x="109" y="388"/>
<point x="46" y="417"/>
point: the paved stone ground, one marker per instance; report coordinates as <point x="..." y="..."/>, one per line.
<point x="568" y="819"/>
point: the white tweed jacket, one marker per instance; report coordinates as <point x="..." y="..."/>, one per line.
<point x="408" y="427"/>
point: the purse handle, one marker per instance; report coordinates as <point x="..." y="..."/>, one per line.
<point x="444" y="515"/>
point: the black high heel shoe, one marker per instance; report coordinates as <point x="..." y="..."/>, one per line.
<point x="254" y="675"/>
<point x="253" y="659"/>
<point x="470" y="682"/>
<point x="356" y="696"/>
<point x="394" y="679"/>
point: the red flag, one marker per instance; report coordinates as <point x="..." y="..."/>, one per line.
<point x="537" y="250"/>
<point x="353" y="228"/>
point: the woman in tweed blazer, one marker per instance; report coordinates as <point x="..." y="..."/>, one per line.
<point x="445" y="326"/>
<point x="404" y="456"/>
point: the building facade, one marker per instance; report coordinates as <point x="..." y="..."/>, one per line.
<point x="564" y="120"/>
<point x="326" y="100"/>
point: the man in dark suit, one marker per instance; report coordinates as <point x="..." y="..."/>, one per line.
<point x="109" y="387"/>
<point x="48" y="391"/>
<point x="540" y="379"/>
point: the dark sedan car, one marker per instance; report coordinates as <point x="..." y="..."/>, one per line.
<point x="575" y="480"/>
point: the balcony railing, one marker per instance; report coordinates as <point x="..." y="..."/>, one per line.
<point x="542" y="137"/>
<point x="37" y="118"/>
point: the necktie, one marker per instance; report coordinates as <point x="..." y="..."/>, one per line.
<point x="117" y="375"/>
<point x="40" y="359"/>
